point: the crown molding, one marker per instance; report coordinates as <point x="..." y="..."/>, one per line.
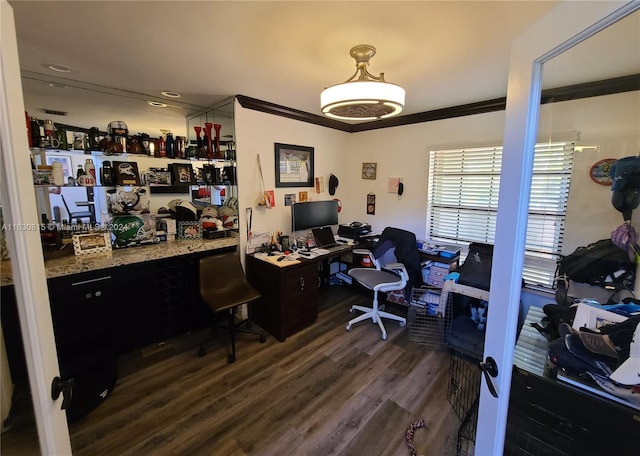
<point x="573" y="92"/>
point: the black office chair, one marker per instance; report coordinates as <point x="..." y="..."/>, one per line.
<point x="78" y="215"/>
<point x="224" y="287"/>
<point x="396" y="262"/>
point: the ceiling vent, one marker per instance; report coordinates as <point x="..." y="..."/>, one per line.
<point x="54" y="113"/>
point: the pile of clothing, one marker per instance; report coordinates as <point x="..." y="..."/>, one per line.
<point x="608" y="354"/>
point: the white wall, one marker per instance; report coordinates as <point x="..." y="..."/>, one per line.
<point x="256" y="133"/>
<point x="403" y="152"/>
<point x="609" y="123"/>
<point x="608" y="127"/>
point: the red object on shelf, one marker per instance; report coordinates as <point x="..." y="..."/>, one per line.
<point x="218" y="152"/>
<point x="208" y="126"/>
<point x="29" y="132"/>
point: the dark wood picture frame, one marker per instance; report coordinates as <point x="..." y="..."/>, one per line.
<point x="182" y="174"/>
<point x="294" y="165"/>
<point x="126" y="173"/>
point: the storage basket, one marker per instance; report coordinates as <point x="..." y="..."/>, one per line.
<point x="426" y="316"/>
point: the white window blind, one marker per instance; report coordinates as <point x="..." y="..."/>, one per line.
<point x="463" y="202"/>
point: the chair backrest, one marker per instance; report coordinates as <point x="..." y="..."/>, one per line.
<point x="65" y="204"/>
<point x="406" y="252"/>
<point x="223" y="283"/>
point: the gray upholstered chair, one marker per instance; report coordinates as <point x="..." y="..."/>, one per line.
<point x="385" y="275"/>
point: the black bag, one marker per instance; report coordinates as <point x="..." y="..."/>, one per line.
<point x="596" y="263"/>
<point x="476" y="269"/>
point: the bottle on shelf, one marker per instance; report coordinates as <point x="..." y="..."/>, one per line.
<point x="79" y="172"/>
<point x="89" y="168"/>
<point x="169" y="145"/>
<point x="57" y="173"/>
<point x="160" y="149"/>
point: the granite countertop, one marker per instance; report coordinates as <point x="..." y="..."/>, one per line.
<point x="74" y="265"/>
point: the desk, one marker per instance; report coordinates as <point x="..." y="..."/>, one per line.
<point x="289" y="293"/>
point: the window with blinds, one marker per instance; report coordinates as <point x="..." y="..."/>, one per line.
<point x="463" y="202"/>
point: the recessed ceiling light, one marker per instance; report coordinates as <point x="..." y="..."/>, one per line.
<point x="170" y="94"/>
<point x="58" y="86"/>
<point x="60" y="68"/>
<point x="157" y="104"/>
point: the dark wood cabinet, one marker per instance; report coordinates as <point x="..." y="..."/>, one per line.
<point x="551" y="417"/>
<point x="123" y="308"/>
<point x="289" y="296"/>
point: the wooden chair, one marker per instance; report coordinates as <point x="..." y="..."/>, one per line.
<point x="224" y="287"/>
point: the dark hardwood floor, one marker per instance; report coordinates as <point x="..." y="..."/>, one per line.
<point x="324" y="391"/>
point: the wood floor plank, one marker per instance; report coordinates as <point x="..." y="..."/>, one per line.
<point x="324" y="391"/>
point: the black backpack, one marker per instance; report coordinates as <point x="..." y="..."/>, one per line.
<point x="596" y="264"/>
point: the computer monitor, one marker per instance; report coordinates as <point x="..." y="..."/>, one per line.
<point x="313" y="214"/>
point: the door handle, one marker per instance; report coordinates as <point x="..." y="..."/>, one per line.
<point x="490" y="370"/>
<point x="66" y="388"/>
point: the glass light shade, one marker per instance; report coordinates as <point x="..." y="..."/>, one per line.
<point x="362" y="100"/>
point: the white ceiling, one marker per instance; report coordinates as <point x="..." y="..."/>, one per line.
<point x="443" y="53"/>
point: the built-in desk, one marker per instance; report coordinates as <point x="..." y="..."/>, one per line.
<point x="289" y="291"/>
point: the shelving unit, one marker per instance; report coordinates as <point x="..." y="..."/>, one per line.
<point x="214" y="183"/>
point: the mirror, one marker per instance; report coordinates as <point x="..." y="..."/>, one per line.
<point x="603" y="128"/>
<point x="86" y="106"/>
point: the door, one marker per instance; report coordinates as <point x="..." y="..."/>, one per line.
<point x="23" y="236"/>
<point x="565" y="26"/>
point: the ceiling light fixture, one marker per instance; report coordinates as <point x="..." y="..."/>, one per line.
<point x="60" y="68"/>
<point x="157" y="104"/>
<point x="170" y="94"/>
<point x="363" y="96"/>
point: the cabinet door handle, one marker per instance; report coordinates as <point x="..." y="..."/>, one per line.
<point x="301" y="283"/>
<point x="98" y="279"/>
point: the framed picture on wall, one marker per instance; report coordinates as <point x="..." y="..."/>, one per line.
<point x="294" y="165"/>
<point x="369" y="170"/>
<point x="126" y="173"/>
<point x="182" y="173"/>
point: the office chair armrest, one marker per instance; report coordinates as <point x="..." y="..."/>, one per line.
<point x="362" y="251"/>
<point x="397" y="268"/>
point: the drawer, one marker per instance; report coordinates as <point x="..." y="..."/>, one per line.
<point x="435" y="281"/>
<point x="299" y="280"/>
<point x="438" y="272"/>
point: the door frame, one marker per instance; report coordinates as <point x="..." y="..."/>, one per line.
<point x="23" y="238"/>
<point x="562" y="28"/>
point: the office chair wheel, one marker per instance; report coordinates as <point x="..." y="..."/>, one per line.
<point x="202" y="352"/>
<point x="263" y="338"/>
<point x="383" y="337"/>
<point x="231" y="359"/>
<point x="348" y="328"/>
<point x="403" y="324"/>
